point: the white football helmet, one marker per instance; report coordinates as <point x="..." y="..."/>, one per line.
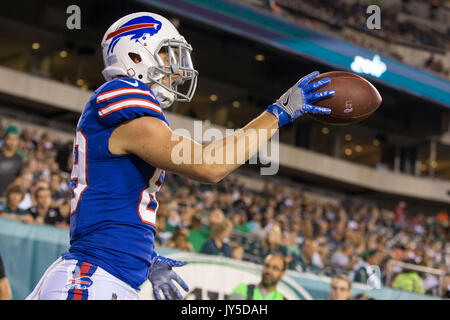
<point x="131" y="48"/>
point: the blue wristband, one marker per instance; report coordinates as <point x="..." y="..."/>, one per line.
<point x="154" y="254"/>
<point x="283" y="116"/>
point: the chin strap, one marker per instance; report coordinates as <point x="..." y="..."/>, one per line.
<point x="164" y="96"/>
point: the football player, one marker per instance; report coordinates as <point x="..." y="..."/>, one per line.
<point x="122" y="149"/>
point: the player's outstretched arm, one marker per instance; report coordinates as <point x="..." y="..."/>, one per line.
<point x="153" y="141"/>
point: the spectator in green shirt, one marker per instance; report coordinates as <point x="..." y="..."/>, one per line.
<point x="198" y="233"/>
<point x="254" y="224"/>
<point x="239" y="220"/>
<point x="11" y="163"/>
<point x="173" y="220"/>
<point x="273" y="270"/>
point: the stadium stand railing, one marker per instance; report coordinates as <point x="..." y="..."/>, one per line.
<point x="395" y="265"/>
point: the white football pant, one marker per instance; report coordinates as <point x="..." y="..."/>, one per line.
<point x="78" y="280"/>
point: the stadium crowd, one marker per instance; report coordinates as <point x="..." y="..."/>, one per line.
<point x="323" y="238"/>
<point x="334" y="16"/>
<point x="34" y="177"/>
<point x="229" y="219"/>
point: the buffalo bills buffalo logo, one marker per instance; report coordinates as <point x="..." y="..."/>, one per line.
<point x="80" y="283"/>
<point x="137" y="28"/>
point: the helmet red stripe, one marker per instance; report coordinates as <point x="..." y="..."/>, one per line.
<point x="129" y="28"/>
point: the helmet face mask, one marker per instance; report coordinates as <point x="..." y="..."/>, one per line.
<point x="178" y="62"/>
<point x="147" y="47"/>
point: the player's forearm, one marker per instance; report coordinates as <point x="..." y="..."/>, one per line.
<point x="221" y="157"/>
<point x="180" y="154"/>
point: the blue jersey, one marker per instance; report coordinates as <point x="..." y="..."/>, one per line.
<point x="113" y="207"/>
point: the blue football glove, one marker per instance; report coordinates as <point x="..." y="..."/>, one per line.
<point x="297" y="100"/>
<point x="161" y="276"/>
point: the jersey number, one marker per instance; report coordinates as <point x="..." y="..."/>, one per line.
<point x="148" y="205"/>
<point x="78" y="178"/>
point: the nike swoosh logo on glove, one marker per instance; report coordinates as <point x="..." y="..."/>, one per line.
<point x="286" y="102"/>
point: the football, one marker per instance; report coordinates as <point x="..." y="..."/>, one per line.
<point x="354" y="100"/>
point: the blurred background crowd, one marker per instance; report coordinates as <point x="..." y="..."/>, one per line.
<point x="34" y="177"/>
<point x="323" y="238"/>
<point x="230" y="219"/>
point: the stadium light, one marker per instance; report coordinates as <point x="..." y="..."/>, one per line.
<point x="374" y="67"/>
<point x="259" y="57"/>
